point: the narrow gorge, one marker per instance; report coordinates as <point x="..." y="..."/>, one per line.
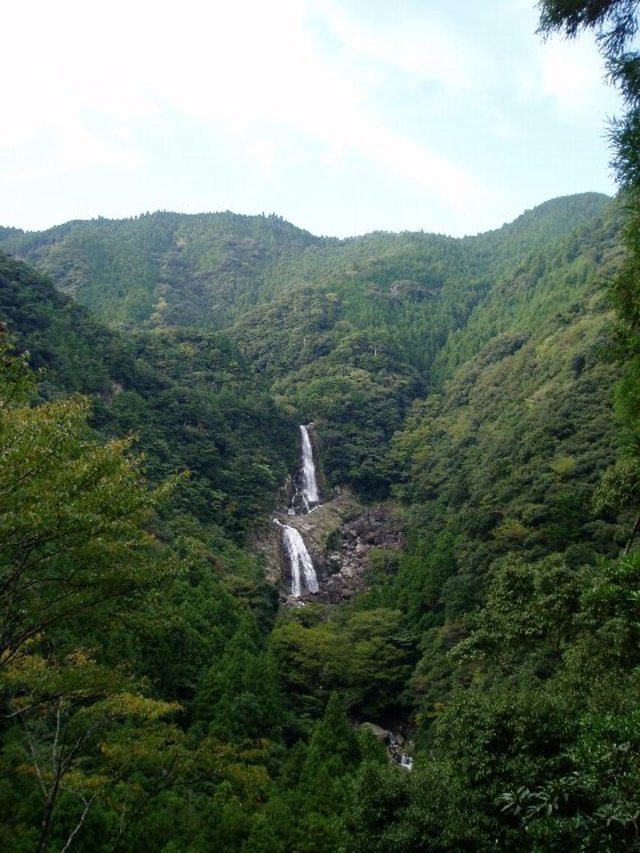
<point x="324" y="543"/>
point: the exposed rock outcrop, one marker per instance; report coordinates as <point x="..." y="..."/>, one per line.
<point x="374" y="528"/>
<point x="340" y="535"/>
<point x="398" y="750"/>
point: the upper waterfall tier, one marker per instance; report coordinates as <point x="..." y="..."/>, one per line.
<point x="309" y="483"/>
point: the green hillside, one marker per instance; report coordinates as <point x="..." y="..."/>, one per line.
<point x="163" y="268"/>
<point x="190" y="398"/>
<point x="168" y="269"/>
<point x="159" y="687"/>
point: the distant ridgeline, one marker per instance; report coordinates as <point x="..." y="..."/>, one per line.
<point x="463" y="384"/>
<point x="506" y="327"/>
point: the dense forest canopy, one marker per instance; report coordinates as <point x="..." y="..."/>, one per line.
<point x="466" y="677"/>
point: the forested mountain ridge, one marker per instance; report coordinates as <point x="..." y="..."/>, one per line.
<point x="355" y="352"/>
<point x="163" y="268"/>
<point x="205" y="270"/>
<point x="189" y="397"/>
<point x="463" y="383"/>
<point x="550" y="220"/>
<point x="350" y="331"/>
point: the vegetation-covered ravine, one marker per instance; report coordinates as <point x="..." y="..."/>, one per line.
<point x="450" y="426"/>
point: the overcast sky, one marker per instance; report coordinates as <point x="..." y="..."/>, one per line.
<point x="342" y="116"/>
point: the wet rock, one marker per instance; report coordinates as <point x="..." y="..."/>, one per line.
<point x="339" y="535"/>
<point x="377" y="731"/>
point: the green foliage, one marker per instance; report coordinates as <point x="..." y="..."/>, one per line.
<point x="527" y="605"/>
<point x="238" y="696"/>
<point x="71" y="515"/>
<point x="153" y="697"/>
<point x="508" y="456"/>
<point x="615" y="23"/>
<point x="76" y="353"/>
<point x="365" y="653"/>
<point x="75" y="557"/>
<point x="348" y="331"/>
<point x="198" y="407"/>
<point x="191" y="399"/>
<point x="164" y="269"/>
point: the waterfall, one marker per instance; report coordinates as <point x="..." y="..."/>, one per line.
<point x="395" y="751"/>
<point x="303" y="575"/>
<point x="309" y="484"/>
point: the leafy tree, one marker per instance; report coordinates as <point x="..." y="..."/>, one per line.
<point x="616" y="23"/>
<point x="238" y="695"/>
<point x="71" y="522"/>
<point x="75" y="555"/>
<point x="84" y="733"/>
<point x="366" y="654"/>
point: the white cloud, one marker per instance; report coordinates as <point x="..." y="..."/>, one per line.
<point x="247" y="65"/>
<point x="286" y="87"/>
<point x="569" y="76"/>
<point x="263" y="152"/>
<point x="421" y="46"/>
<point x="409" y="160"/>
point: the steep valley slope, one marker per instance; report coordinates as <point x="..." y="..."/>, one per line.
<point x="460" y="394"/>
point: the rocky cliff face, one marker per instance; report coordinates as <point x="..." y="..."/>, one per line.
<point x="374" y="528"/>
<point x="340" y="536"/>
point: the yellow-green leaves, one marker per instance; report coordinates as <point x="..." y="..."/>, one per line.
<point x="72" y="515"/>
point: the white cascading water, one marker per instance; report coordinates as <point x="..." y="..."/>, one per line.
<point x="310" y="493"/>
<point x="402" y="759"/>
<point x="303" y="575"/>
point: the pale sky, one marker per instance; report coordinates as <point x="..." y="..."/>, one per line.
<point x="342" y="116"/>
